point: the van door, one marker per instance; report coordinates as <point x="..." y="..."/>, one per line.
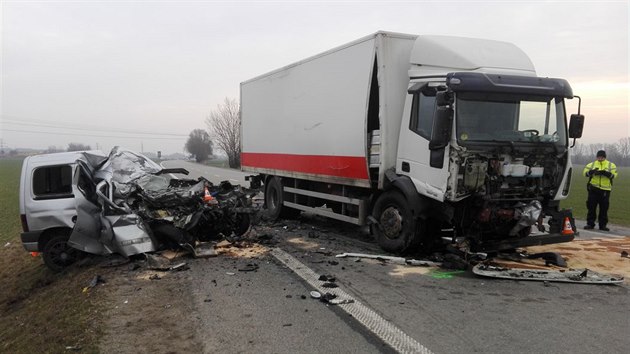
<point x="48" y="198"/>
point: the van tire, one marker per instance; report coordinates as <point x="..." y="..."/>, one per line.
<point x="58" y="255"/>
<point x="396" y="228"/>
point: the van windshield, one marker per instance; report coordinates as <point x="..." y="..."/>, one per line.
<point x="513" y="118"/>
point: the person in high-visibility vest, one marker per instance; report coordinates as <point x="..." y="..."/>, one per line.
<point x="600" y="175"/>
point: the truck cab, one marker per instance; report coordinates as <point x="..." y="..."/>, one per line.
<point x="485" y="137"/>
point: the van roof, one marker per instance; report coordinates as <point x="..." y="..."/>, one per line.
<point x="63" y="157"/>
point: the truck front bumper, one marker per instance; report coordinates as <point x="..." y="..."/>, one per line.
<point x="507" y="244"/>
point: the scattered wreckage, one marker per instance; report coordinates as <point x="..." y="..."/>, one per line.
<point x="127" y="204"/>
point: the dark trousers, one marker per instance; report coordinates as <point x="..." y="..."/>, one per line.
<point x="596" y="197"/>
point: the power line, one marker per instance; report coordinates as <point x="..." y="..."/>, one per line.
<point x="90" y="129"/>
<point x="92" y="135"/>
<point x="74" y="126"/>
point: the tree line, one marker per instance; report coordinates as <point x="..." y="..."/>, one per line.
<point x="618" y="152"/>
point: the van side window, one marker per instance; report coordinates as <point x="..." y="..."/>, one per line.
<point x="52" y="182"/>
<point x="422" y="115"/>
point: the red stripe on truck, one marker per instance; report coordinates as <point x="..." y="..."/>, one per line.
<point x="338" y="166"/>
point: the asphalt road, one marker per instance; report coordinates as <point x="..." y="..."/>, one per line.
<point x="418" y="308"/>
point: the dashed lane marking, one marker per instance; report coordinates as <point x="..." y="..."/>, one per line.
<point x="385" y="330"/>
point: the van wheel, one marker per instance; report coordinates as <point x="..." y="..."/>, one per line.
<point x="274" y="198"/>
<point x="58" y="255"/>
<point x="395" y="231"/>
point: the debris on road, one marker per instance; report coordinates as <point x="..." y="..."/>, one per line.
<point x="584" y="276"/>
<point x="94" y="282"/>
<point x="250" y="267"/>
<point x="393" y="259"/>
<point x="624" y="254"/>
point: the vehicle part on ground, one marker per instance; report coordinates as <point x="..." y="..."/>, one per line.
<point x="393" y="259"/>
<point x="583" y="276"/>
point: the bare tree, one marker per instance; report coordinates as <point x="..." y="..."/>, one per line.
<point x="224" y="125"/>
<point x="624" y="151"/>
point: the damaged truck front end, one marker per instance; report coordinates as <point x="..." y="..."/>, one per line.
<point x="509" y="159"/>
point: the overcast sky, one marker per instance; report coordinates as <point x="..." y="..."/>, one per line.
<point x="144" y="74"/>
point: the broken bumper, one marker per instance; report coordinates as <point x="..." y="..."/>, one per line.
<point x="536" y="240"/>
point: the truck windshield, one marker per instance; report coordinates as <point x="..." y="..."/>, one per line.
<point x="500" y="117"/>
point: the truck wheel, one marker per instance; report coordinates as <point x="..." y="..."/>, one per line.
<point x="395" y="231"/>
<point x="58" y="255"/>
<point x="274" y="198"/>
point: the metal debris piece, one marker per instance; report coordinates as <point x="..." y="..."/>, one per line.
<point x="204" y="250"/>
<point x="396" y="260"/>
<point x="180" y="267"/>
<point x="94" y="282"/>
<point x="157" y="262"/>
<point x="340" y="301"/>
<point x="584" y="276"/>
<point x="250" y="267"/>
<point x="325" y="277"/>
<point x="326" y="298"/>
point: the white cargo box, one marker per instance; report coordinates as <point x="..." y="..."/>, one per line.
<point x="314" y="119"/>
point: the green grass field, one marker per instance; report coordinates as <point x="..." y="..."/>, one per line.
<point x="618" y="212"/>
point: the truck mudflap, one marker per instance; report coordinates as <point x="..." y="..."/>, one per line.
<point x="583" y="276"/>
<point x="533" y="240"/>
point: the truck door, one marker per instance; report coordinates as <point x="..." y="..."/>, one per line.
<point x="413" y="158"/>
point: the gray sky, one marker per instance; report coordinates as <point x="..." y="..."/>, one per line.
<point x="113" y="70"/>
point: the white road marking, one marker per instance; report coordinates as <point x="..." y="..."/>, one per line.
<point x="382" y="328"/>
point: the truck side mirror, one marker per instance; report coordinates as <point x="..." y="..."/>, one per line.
<point x="576" y="126"/>
<point x="442" y="126"/>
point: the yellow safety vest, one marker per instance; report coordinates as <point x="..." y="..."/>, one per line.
<point x="600" y="181"/>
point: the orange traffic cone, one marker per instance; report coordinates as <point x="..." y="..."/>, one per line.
<point x="568" y="229"/>
<point x="206" y="196"/>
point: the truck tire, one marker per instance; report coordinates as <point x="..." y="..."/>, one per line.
<point x="395" y="231"/>
<point x="58" y="255"/>
<point x="274" y="199"/>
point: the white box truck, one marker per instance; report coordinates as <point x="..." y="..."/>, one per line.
<point x="416" y="136"/>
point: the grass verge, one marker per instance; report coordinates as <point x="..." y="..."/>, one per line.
<point x="40" y="312"/>
<point x="618" y="213"/>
